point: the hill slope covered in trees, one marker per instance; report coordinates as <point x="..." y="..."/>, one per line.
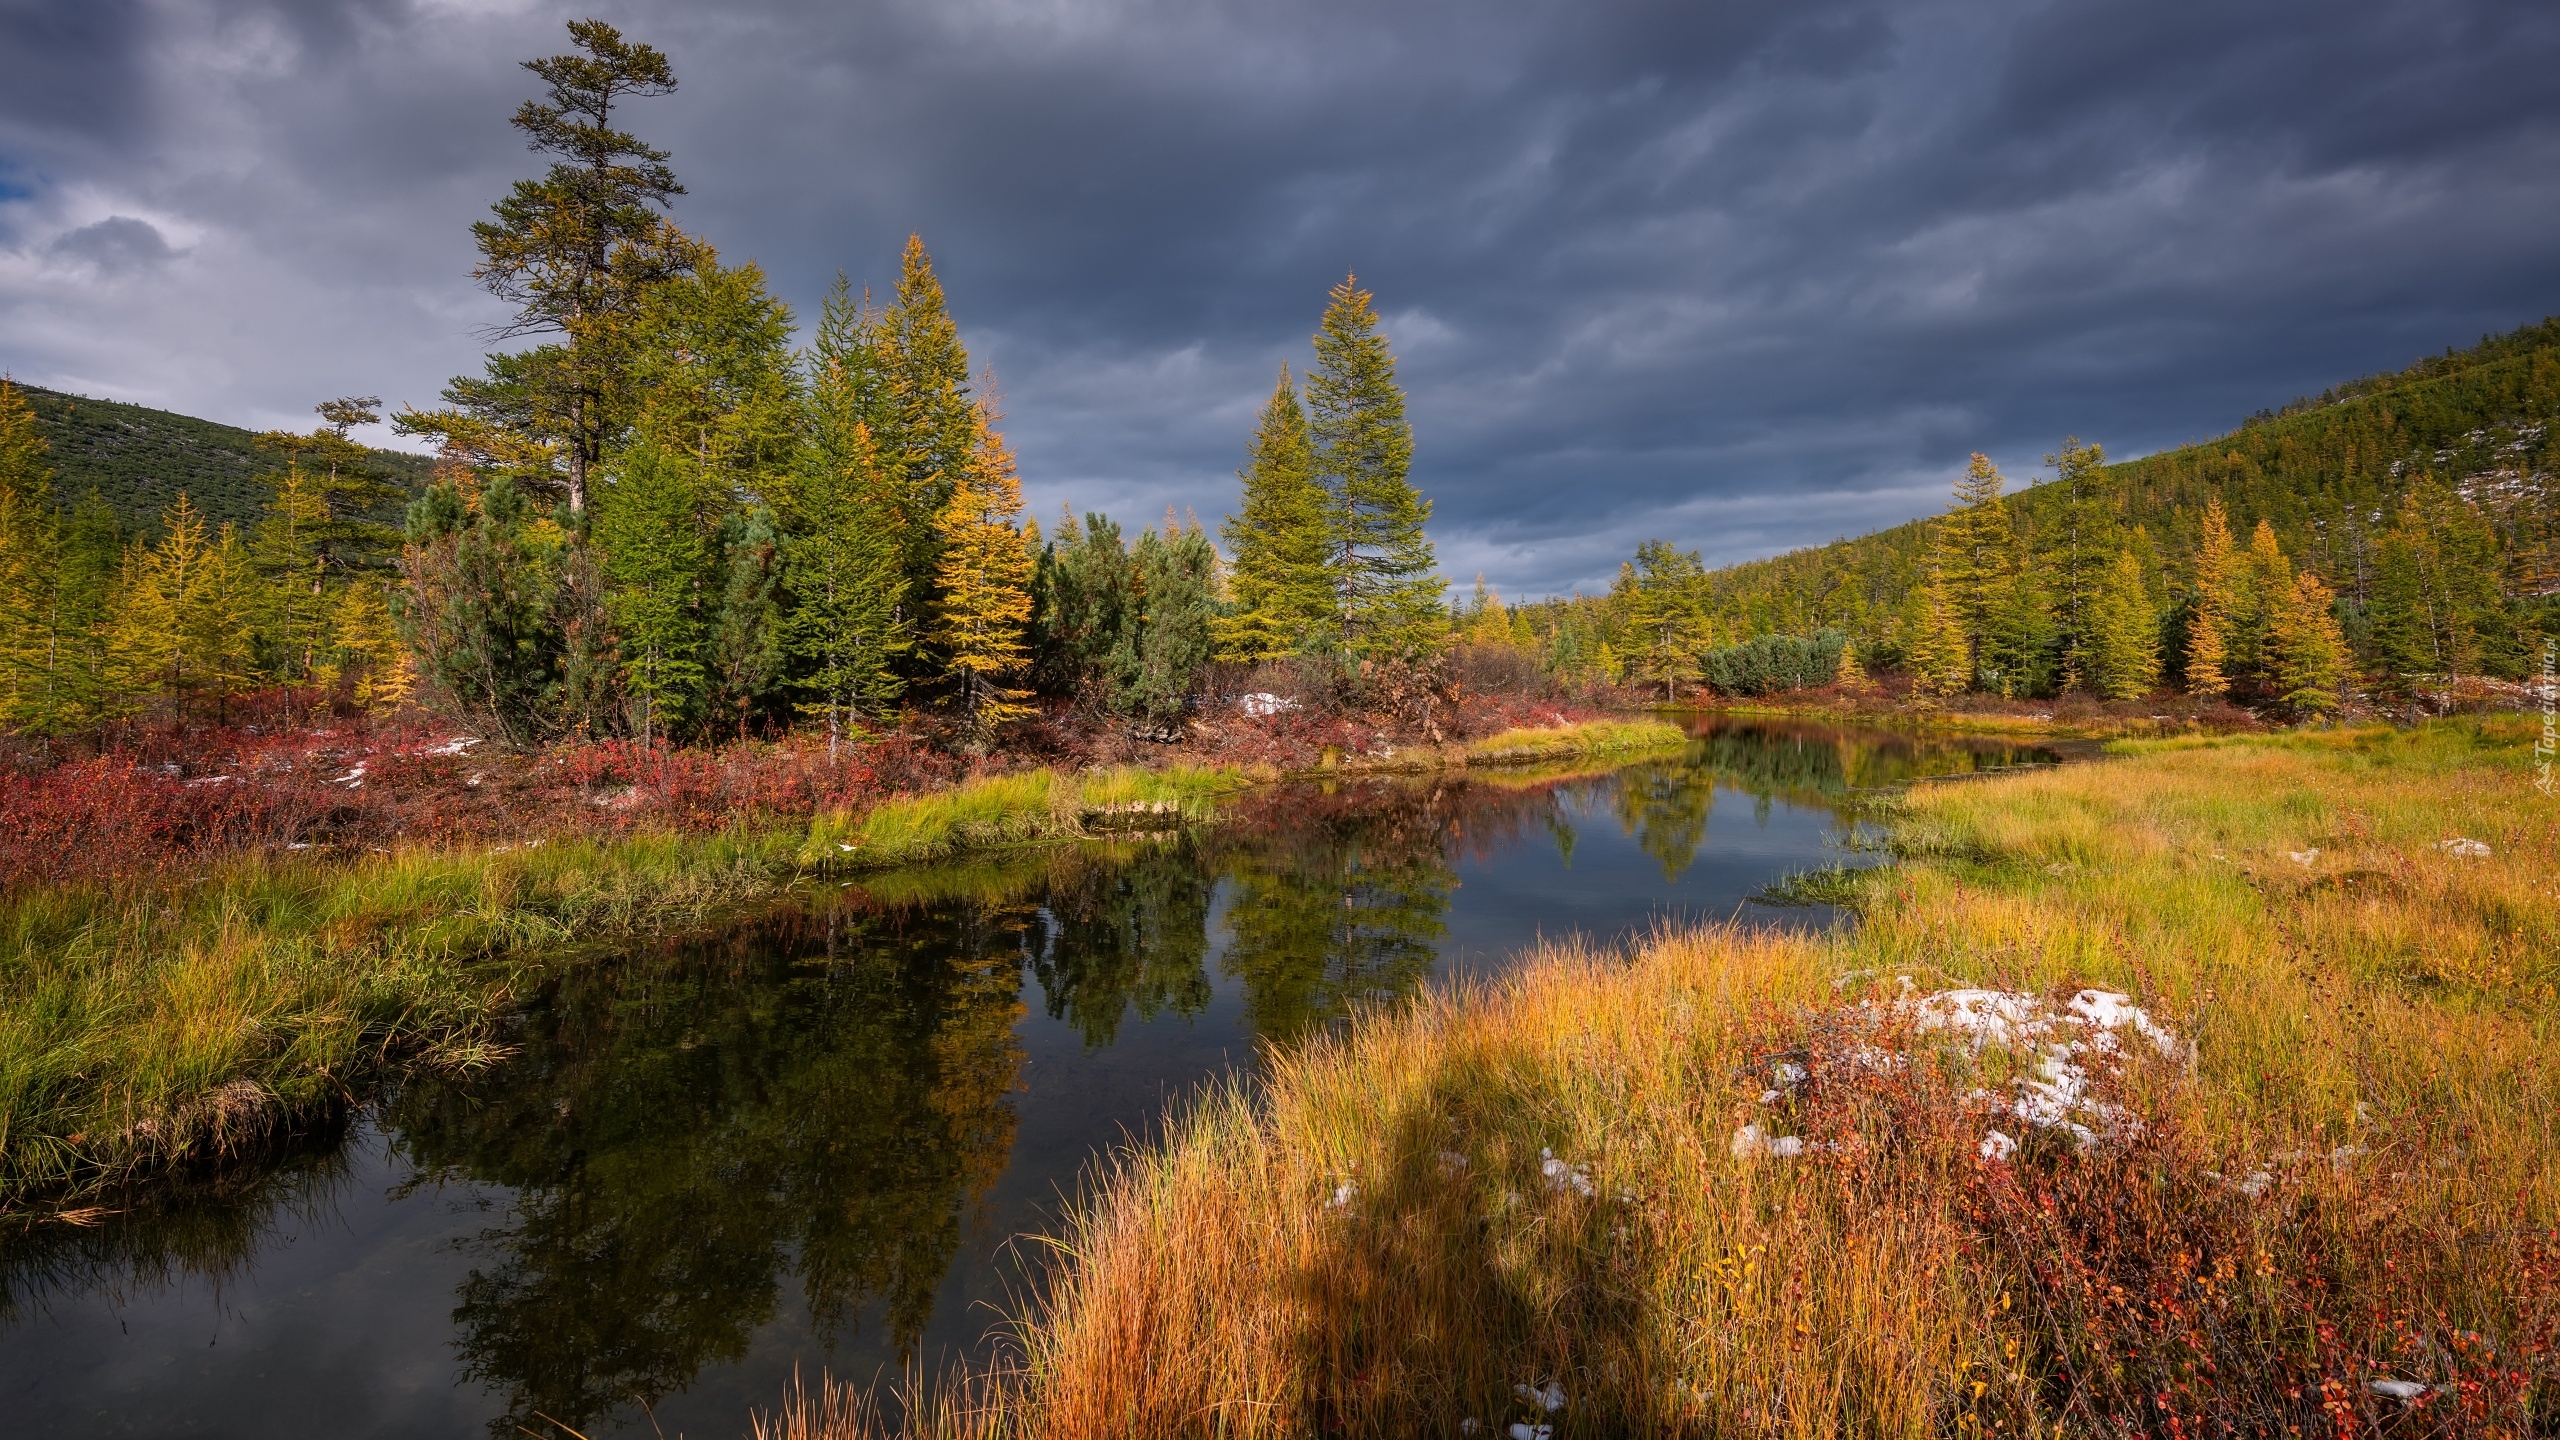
<point x="138" y="460"/>
<point x="2327" y="473"/>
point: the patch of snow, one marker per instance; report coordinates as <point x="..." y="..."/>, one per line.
<point x="353" y="779"/>
<point x="2464" y="849"/>
<point x="2304" y="858"/>
<point x="1343" y="1195"/>
<point x="2056" y="1095"/>
<point x="1470" y="1425"/>
<point x="1751" y="1142"/>
<point x="2402" y="1390"/>
<point x="1548" y="1397"/>
<point x="208" y="780"/>
<point x="299" y="845"/>
<point x="1521" y="1430"/>
<point x="843" y="846"/>
<point x="1562" y="1177"/>
<point x="1263" y="702"/>
<point x="1996" y="1146"/>
<point x="454" y="746"/>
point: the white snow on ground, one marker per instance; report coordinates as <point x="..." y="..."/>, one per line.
<point x="454" y="746"/>
<point x="1751" y="1142"/>
<point x="2054" y="1095"/>
<point x="2464" y="849"/>
<point x="1343" y="1195"/>
<point x="1562" y="1177"/>
<point x="2396" y="1389"/>
<point x="1263" y="702"/>
<point x="352" y="779"/>
<point x="1548" y="1397"/>
<point x="2304" y="858"/>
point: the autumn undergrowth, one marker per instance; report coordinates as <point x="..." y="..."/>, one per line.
<point x="1743" y="1183"/>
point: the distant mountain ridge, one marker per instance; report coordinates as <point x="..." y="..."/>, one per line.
<point x="139" y="459"/>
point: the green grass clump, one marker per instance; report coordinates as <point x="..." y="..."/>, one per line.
<point x="1017" y="809"/>
<point x="1595" y="737"/>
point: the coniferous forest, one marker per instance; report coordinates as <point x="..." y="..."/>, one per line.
<point x="672" y="512"/>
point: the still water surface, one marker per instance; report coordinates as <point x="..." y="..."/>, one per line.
<point x="806" y="1144"/>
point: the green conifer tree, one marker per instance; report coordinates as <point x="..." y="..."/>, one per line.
<point x="1977" y="570"/>
<point x="658" y="564"/>
<point x="929" y="435"/>
<point x="1284" y="590"/>
<point x="576" y="253"/>
<point x="2083" y="554"/>
<point x="1177" y="579"/>
<point x="1665" y="619"/>
<point x="844" y="545"/>
<point x="2121" y="653"/>
<point x="1383" y="564"/>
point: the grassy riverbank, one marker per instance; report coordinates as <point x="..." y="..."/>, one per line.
<point x="2324" y="1202"/>
<point x="158" y="1018"/>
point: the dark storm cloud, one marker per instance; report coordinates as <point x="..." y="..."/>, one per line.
<point x="114" y="245"/>
<point x="1745" y="275"/>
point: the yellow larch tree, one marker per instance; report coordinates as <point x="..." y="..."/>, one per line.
<point x="984" y="580"/>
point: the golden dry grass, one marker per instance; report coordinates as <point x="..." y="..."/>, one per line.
<point x="2352" y="1181"/>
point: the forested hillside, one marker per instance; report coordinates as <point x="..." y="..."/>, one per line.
<point x="2414" y="512"/>
<point x="2328" y="474"/>
<point x="139" y="459"/>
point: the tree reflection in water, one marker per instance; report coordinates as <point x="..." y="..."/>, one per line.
<point x="819" y="1097"/>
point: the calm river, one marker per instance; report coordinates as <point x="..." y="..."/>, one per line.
<point x="805" y="1144"/>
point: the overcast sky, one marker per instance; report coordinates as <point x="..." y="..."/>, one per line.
<point x="1744" y="274"/>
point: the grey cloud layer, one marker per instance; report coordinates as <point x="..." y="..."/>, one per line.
<point x="1747" y="276"/>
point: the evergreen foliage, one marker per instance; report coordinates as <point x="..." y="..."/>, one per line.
<point x="1770" y="664"/>
<point x="1384" y="570"/>
<point x="577" y="253"/>
<point x="1662" y="594"/>
<point x="2120" y="633"/>
<point x="1282" y="585"/>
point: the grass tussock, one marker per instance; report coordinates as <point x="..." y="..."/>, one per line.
<point x="2330" y="1208"/>
<point x="1017" y="809"/>
<point x="1592" y="738"/>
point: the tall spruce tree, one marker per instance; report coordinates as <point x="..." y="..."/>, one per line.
<point x="983" y="583"/>
<point x="1284" y="593"/>
<point x="1384" y="568"/>
<point x="1976" y="567"/>
<point x="576" y="253"/>
<point x="844" y="549"/>
<point x="2084" y="550"/>
<point x="930" y="435"/>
